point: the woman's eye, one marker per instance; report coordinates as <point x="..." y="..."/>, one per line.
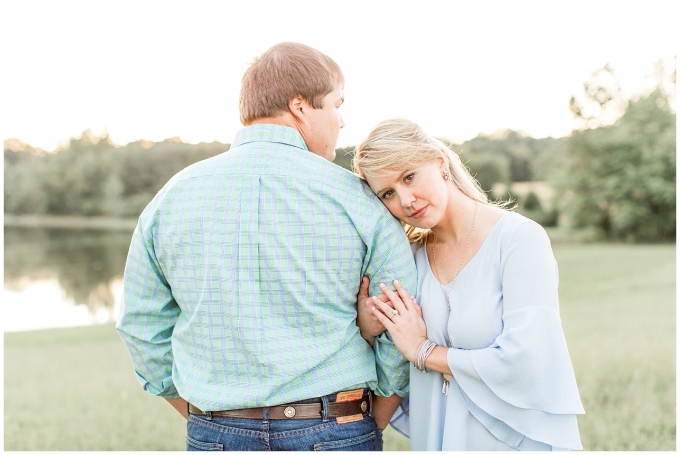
<point x="387" y="194"/>
<point x="409" y="177"/>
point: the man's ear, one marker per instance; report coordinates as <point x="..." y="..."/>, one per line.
<point x="297" y="107"/>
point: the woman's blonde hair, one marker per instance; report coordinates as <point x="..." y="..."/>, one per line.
<point x="398" y="143"/>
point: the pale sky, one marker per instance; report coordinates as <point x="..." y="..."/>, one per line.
<point x="158" y="69"/>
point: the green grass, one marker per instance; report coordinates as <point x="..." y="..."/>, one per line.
<point x="618" y="312"/>
<point x="74" y="389"/>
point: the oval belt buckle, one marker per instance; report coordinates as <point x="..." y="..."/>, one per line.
<point x="289" y="412"/>
<point x="364" y="406"/>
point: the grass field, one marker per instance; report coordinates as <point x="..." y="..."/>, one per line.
<point x="74" y="389"/>
<point x="618" y="312"/>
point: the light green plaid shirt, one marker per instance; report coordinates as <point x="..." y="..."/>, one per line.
<point x="241" y="281"/>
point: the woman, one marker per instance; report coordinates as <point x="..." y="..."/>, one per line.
<point x="490" y="366"/>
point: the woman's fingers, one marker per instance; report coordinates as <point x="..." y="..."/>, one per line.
<point x="394" y="297"/>
<point x="386" y="309"/>
<point x="387" y="322"/>
<point x="419" y="310"/>
<point x="405" y="296"/>
<point x="407" y="329"/>
<point x="384" y="298"/>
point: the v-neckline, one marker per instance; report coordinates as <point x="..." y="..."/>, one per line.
<point x="427" y="258"/>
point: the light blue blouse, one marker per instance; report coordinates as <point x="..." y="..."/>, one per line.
<point x="513" y="384"/>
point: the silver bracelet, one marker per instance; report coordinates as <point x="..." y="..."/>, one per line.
<point x="424" y="350"/>
<point x="427" y="353"/>
<point x="416" y="362"/>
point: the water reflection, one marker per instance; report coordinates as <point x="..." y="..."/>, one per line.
<point x="62" y="277"/>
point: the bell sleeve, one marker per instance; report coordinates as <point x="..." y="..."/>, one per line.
<point x="524" y="383"/>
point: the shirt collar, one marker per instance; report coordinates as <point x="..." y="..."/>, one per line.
<point x="267" y="132"/>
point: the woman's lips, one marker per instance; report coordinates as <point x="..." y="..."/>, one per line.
<point x="419" y="213"/>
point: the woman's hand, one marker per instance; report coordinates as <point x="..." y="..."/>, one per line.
<point x="369" y="325"/>
<point x="406" y="326"/>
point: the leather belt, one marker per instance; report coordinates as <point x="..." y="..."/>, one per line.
<point x="293" y="411"/>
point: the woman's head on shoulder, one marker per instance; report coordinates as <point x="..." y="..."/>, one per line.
<point x="417" y="177"/>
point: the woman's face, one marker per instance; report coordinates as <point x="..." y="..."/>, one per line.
<point x="417" y="195"/>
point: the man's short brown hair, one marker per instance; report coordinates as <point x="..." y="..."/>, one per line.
<point x="283" y="72"/>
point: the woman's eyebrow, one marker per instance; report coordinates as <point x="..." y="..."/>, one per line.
<point x="404" y="173"/>
<point x="399" y="177"/>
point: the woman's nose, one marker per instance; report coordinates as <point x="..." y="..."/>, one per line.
<point x="407" y="199"/>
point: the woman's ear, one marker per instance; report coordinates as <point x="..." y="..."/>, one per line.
<point x="443" y="163"/>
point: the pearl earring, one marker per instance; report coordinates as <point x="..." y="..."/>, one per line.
<point x="446" y="175"/>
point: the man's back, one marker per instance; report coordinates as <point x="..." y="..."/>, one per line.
<point x="259" y="253"/>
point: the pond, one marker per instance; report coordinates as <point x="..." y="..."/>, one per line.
<point x="62" y="277"/>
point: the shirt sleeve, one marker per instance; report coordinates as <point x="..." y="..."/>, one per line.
<point x="389" y="257"/>
<point x="524" y="383"/>
<point x="148" y="316"/>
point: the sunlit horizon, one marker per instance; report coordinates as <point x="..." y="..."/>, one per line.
<point x="159" y="70"/>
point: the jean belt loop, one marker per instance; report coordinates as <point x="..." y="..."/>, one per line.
<point x="208" y="415"/>
<point x="370" y="403"/>
<point x="265" y="414"/>
<point x="324" y="411"/>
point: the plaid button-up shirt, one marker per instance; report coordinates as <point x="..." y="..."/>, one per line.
<point x="241" y="281"/>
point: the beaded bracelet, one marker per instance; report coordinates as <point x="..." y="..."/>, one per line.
<point x="416" y="361"/>
<point x="423" y="351"/>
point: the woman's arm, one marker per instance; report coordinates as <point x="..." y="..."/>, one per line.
<point x="436" y="361"/>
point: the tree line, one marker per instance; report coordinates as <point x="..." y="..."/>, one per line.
<point x="91" y="176"/>
<point x="614" y="174"/>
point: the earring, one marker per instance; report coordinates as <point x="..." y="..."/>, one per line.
<point x="446" y="175"/>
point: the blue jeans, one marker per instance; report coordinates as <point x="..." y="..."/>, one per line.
<point x="227" y="433"/>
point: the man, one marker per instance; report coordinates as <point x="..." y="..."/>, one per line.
<point x="242" y="277"/>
